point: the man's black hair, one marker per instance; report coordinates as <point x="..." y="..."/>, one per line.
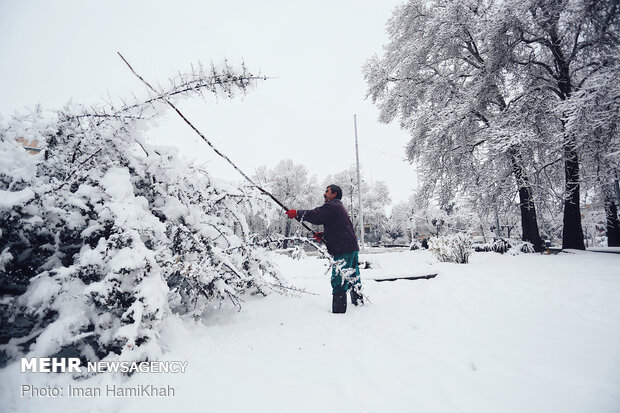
<point x="336" y="190"/>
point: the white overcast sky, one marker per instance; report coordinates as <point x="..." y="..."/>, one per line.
<point x="53" y="51"/>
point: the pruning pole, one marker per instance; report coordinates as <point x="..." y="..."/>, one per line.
<point x="204" y="138"/>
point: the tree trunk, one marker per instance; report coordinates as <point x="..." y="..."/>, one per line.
<point x="613" y="224"/>
<point x="572" y="233"/>
<point x="484" y="238"/>
<point x="529" y="224"/>
<point x="287" y="233"/>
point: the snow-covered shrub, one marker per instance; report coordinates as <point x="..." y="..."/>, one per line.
<point x="103" y="235"/>
<point x="521" y="247"/>
<point x="418" y="245"/>
<point x="502" y="246"/>
<point x="451" y="248"/>
<point x="298" y="252"/>
<point x="482" y="247"/>
<point x="498" y="245"/>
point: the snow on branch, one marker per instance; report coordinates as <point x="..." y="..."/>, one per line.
<point x="104" y="235"/>
<point x="224" y="81"/>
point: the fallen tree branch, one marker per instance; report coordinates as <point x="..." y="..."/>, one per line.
<point x="204" y="138"/>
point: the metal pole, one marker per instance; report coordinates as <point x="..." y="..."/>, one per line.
<point x="359" y="184"/>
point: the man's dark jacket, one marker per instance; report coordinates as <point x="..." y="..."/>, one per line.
<point x="338" y="232"/>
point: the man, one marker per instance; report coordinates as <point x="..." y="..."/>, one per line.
<point x="339" y="236"/>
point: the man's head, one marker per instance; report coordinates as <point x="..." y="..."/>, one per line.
<point x="332" y="192"/>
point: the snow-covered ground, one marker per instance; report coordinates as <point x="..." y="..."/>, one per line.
<point x="525" y="333"/>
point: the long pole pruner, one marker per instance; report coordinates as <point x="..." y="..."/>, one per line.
<point x="204" y="138"/>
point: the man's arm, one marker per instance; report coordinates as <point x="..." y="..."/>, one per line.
<point x="316" y="216"/>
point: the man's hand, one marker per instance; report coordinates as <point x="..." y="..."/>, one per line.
<point x="318" y="236"/>
<point x="291" y="213"/>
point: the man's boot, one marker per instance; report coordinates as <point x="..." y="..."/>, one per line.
<point x="356" y="299"/>
<point x="339" y="303"/>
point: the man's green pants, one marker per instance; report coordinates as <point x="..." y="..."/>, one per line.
<point x="341" y="284"/>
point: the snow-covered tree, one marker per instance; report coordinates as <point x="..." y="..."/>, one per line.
<point x="479" y="84"/>
<point x="374" y="204"/>
<point x="560" y="44"/>
<point x="291" y="184"/>
<point x="444" y="73"/>
<point x="399" y="225"/>
<point x="593" y="118"/>
<point x="104" y="235"/>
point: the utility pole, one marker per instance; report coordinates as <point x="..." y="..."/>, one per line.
<point x="359" y="184"/>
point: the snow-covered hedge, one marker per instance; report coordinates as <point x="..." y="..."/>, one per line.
<point x="451" y="248"/>
<point x="503" y="246"/>
<point x="103" y="235"/>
